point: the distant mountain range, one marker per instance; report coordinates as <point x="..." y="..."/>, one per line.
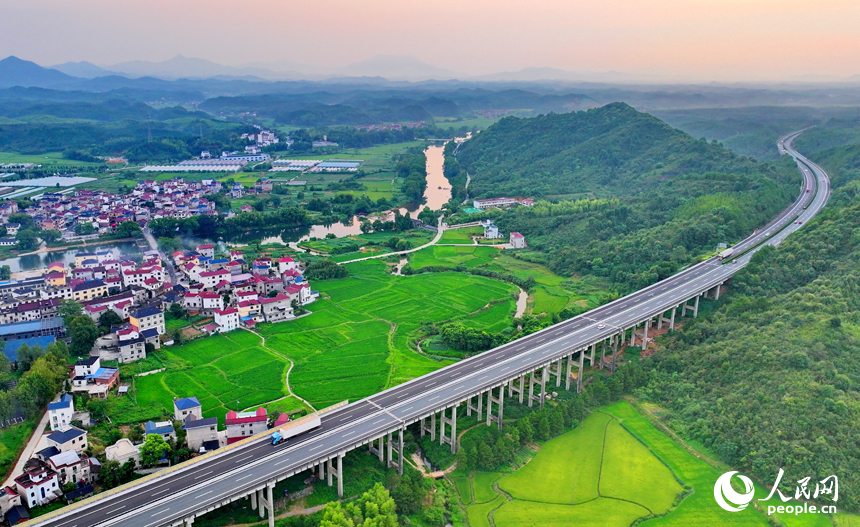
<point x="17" y="72"/>
<point x="376" y="70"/>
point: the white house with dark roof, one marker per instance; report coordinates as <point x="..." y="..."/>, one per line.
<point x="38" y="484"/>
<point x="60" y="412"/>
<point x="200" y="431"/>
<point x="189" y="406"/>
<point x="69" y="438"/>
<point x="71" y="467"/>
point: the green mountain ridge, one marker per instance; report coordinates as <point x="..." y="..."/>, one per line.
<point x="664" y="199"/>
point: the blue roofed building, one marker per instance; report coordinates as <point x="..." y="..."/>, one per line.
<point x="182" y="408"/>
<point x="161" y="428"/>
<point x="60" y="412"/>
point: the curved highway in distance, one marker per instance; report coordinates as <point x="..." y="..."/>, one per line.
<point x="202" y="485"/>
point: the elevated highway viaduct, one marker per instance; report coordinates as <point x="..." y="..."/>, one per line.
<point x="527" y="369"/>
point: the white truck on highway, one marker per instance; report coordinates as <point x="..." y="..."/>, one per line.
<point x="726" y="254"/>
<point x="294" y="428"/>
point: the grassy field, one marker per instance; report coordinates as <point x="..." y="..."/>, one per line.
<point x="566" y="469"/>
<point x="225" y="372"/>
<point x="46" y="160"/>
<point x="461" y="235"/>
<point x="613" y="468"/>
<point x="358" y="340"/>
<point x="12" y="440"/>
<point x="700" y="472"/>
<point x="551" y="292"/>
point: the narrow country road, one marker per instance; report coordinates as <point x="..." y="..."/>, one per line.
<point x="440" y="231"/>
<point x="287" y="381"/>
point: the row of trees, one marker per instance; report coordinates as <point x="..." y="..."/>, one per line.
<point x="207" y="226"/>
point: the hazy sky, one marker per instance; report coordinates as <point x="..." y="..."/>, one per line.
<point x="708" y="39"/>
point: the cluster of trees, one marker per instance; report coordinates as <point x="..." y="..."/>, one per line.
<point x="113" y="474"/>
<point x="81" y="328"/>
<point x="782" y="382"/>
<point x="45" y="371"/>
<point x="412" y="168"/>
<point x="207" y="226"/>
<point x="400" y="223"/>
<point x="493" y="449"/>
<point x="675" y="197"/>
<point x="375" y="508"/>
<point x="457" y="336"/>
<point x="325" y="270"/>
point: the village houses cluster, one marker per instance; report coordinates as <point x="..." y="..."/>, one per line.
<point x="148" y="200"/>
<point x="61" y="457"/>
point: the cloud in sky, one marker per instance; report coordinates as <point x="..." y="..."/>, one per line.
<point x="706" y="39"/>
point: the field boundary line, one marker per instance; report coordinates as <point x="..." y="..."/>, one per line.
<point x="290" y="391"/>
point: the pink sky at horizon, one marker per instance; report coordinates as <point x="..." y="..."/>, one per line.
<point x="723" y="40"/>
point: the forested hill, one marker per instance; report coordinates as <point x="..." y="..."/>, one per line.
<point x="609" y="149"/>
<point x="673" y="198"/>
<point x="771" y="380"/>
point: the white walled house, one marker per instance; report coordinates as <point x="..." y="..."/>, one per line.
<point x="227" y="319"/>
<point x="60" y="412"/>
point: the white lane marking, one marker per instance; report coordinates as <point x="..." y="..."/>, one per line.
<point x="433" y="398"/>
<point x="246" y="477"/>
<point x="205" y="493"/>
<point x="407" y="409"/>
<point x="159" y="513"/>
<point x="352" y="431"/>
<point x="316" y="447"/>
<point x="117" y="509"/>
<point x="203" y="476"/>
<point x="484" y="377"/>
<point x="402" y="395"/>
<point x="378" y="421"/>
<point x="282" y="462"/>
<point x="505" y="368"/>
<point x="160" y="492"/>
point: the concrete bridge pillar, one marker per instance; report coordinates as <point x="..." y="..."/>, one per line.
<point x="500" y="402"/>
<point x="696" y="307"/>
<point x="321" y="470"/>
<point x="717" y="292"/>
<point x="556" y="370"/>
<point x="261" y="500"/>
<point x="645" y="334"/>
<point x="613" y="364"/>
<point x="452" y="421"/>
<point x="189" y="521"/>
<point x="541" y="383"/>
<point x="569" y="372"/>
<point x="478" y="408"/>
<point x="672" y="320"/>
<point x="432" y="428"/>
<point x="633" y="335"/>
<point x="338" y="471"/>
<point x="378" y="450"/>
<point x="592" y="355"/>
<point x="254" y="500"/>
<point x="398" y="448"/>
<point x="266" y="498"/>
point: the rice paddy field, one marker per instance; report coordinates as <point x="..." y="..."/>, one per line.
<point x="358" y="341"/>
<point x="225" y="372"/>
<point x="612" y="470"/>
<point x="551" y="293"/>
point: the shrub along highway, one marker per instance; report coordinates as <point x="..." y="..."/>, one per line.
<point x="180" y="494"/>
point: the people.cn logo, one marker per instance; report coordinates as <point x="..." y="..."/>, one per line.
<point x="728" y="498"/>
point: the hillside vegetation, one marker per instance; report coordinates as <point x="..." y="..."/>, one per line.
<point x="634" y="199"/>
<point x="771" y="379"/>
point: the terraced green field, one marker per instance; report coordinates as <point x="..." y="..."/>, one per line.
<point x="357" y="341"/>
<point x="603" y="473"/>
<point x="224" y="372"/>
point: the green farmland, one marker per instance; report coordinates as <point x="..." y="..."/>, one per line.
<point x="550" y="294"/>
<point x="219" y="371"/>
<point x="612" y="470"/>
<point x="358" y="341"/>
